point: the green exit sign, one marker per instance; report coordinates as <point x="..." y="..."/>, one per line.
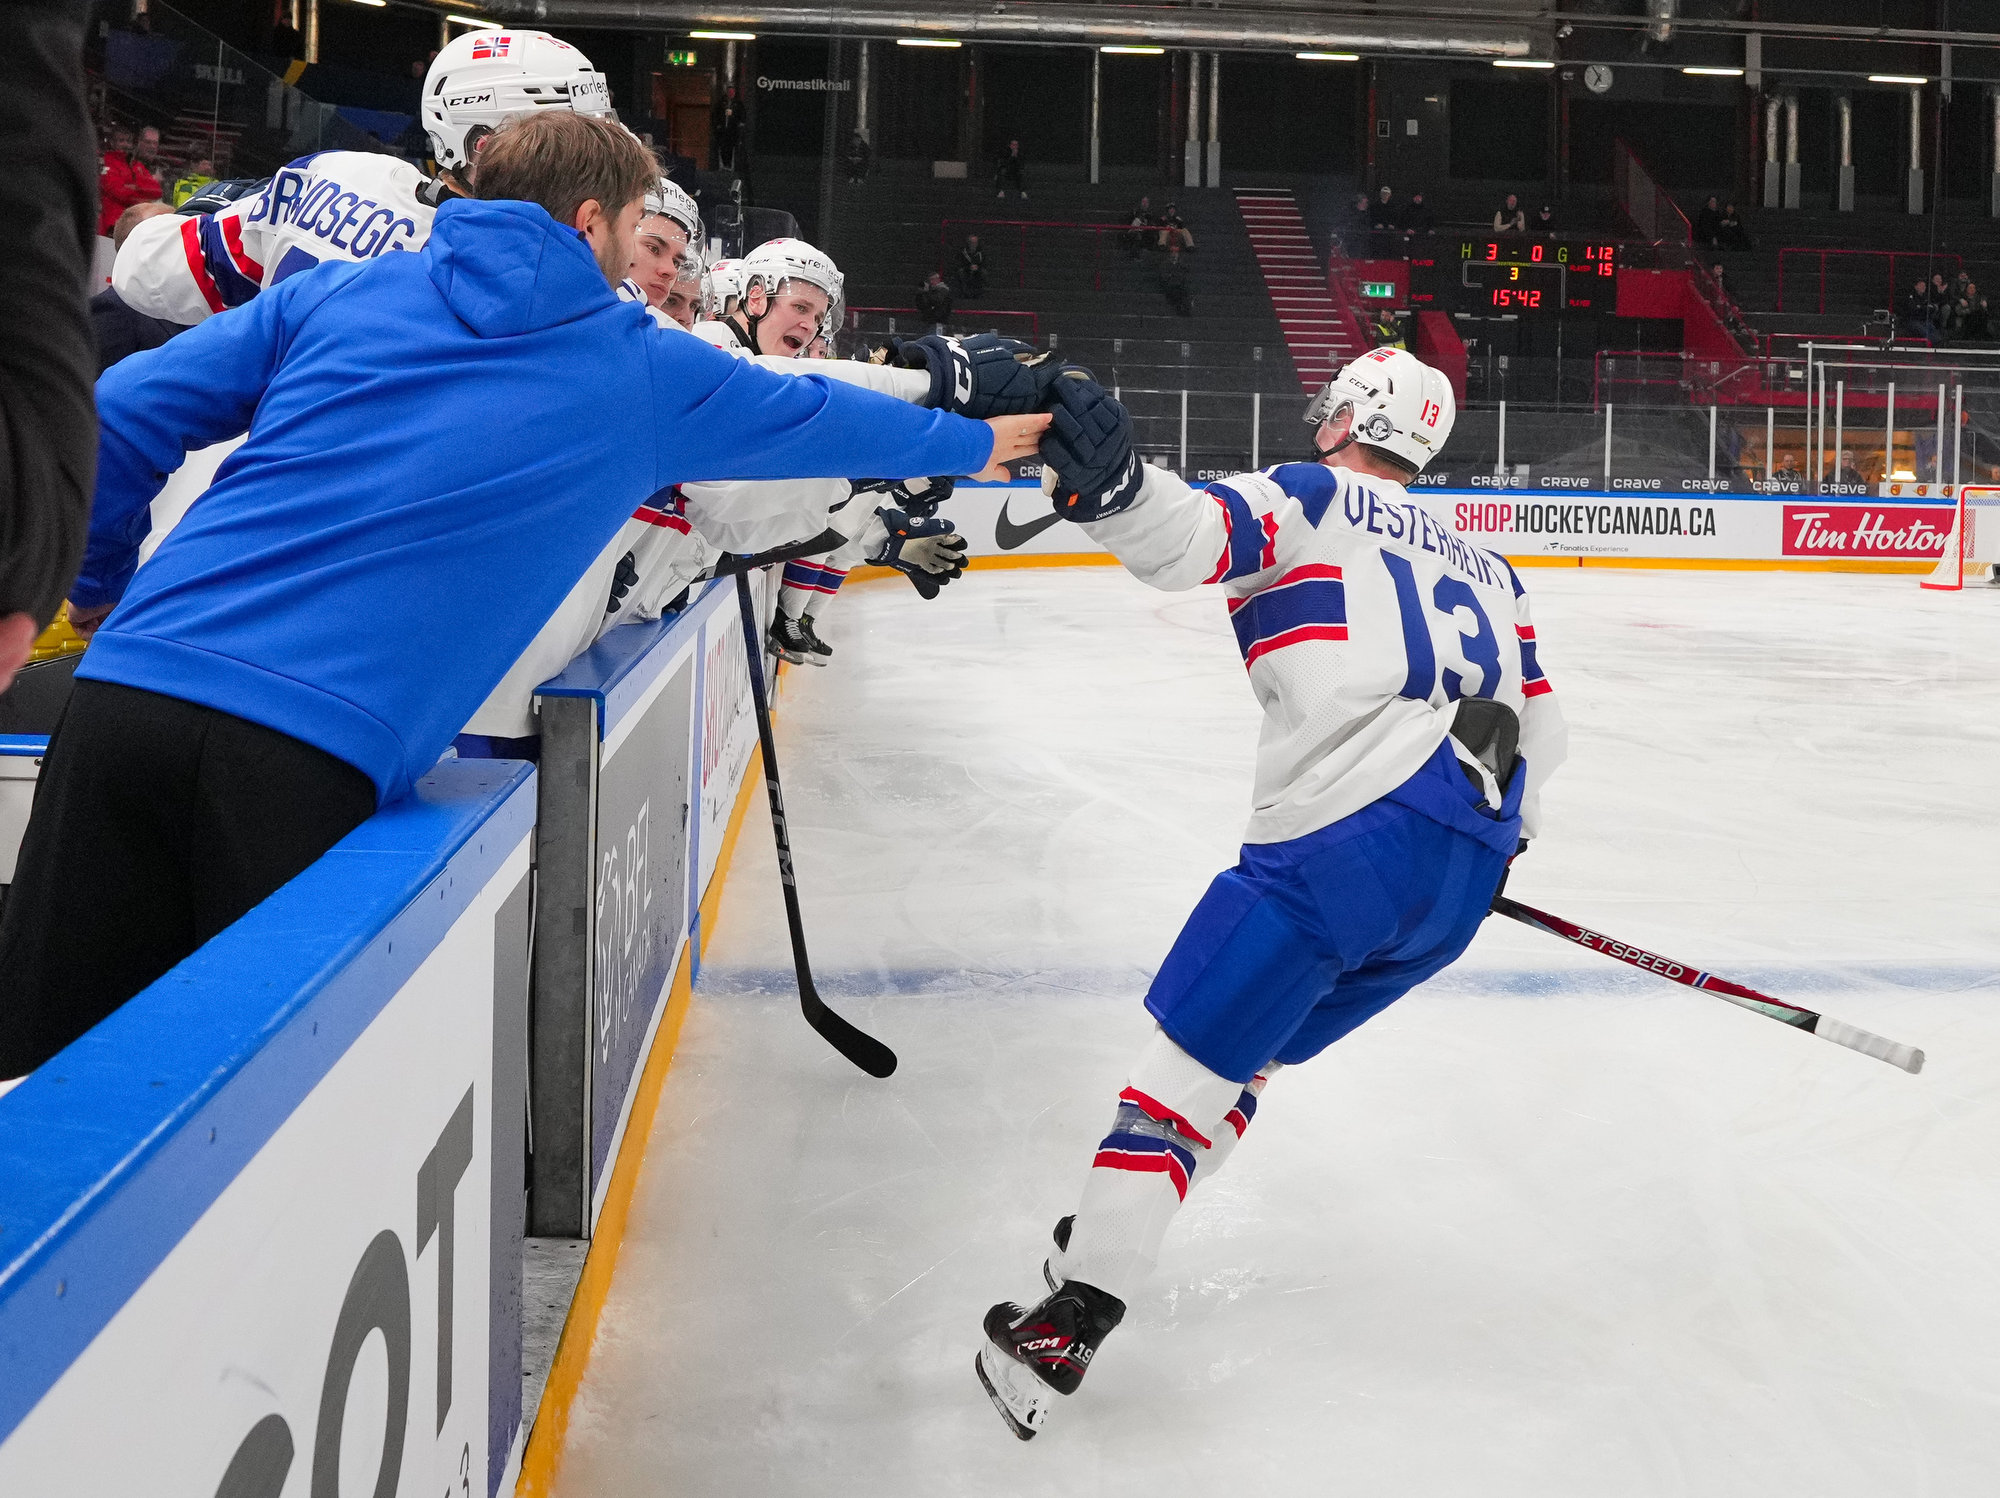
<point x="1384" y="291"/>
<point x="680" y="59"/>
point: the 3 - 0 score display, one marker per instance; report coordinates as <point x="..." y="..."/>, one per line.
<point x="1516" y="274"/>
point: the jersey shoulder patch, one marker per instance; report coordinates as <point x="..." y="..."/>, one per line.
<point x="1313" y="485"/>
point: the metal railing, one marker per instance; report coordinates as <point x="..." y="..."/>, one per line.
<point x="857" y="315"/>
<point x="1930" y="259"/>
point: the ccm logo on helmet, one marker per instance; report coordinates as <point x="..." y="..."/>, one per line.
<point x="469" y="101"/>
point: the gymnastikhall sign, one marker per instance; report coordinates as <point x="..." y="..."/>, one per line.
<point x="805" y="85"/>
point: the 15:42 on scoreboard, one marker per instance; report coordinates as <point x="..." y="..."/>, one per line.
<point x="1513" y="274"/>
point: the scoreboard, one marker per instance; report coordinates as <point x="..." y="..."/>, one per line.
<point x="1511" y="274"/>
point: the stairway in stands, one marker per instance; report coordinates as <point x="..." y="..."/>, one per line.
<point x="1319" y="331"/>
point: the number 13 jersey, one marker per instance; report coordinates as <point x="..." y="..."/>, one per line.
<point x="1362" y="619"/>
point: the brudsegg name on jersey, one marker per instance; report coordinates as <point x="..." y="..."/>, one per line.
<point x="357" y="226"/>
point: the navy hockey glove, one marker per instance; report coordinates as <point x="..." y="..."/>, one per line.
<point x="621" y="581"/>
<point x="928" y="552"/>
<point x="984" y="375"/>
<point x="918" y="497"/>
<point x="1088" y="447"/>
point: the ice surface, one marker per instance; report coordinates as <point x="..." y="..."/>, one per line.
<point x="1546" y="1227"/>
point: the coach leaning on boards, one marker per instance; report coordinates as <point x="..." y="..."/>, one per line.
<point x="48" y="200"/>
<point x="439" y="443"/>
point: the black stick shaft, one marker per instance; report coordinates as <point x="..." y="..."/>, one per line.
<point x="863" y="1049"/>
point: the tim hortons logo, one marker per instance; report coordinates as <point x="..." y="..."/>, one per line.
<point x="1863" y="531"/>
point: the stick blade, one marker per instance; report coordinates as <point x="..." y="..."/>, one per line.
<point x="856" y="1044"/>
<point x="1908" y="1057"/>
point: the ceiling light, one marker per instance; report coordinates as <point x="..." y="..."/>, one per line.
<point x="1713" y="72"/>
<point x="1897" y="78"/>
<point x="925" y="41"/>
<point x="1327" y="56"/>
<point x="1134" y="51"/>
<point x="474" y="22"/>
<point x="1520" y="62"/>
<point x="377" y="4"/>
<point x="724" y="36"/>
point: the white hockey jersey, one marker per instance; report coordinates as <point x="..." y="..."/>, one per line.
<point x="335" y="205"/>
<point x="756" y="515"/>
<point x="1362" y="619"/>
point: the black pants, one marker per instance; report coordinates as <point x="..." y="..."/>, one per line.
<point x="156" y="824"/>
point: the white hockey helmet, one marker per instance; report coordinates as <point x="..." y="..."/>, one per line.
<point x="776" y="261"/>
<point x="669" y="201"/>
<point x="719" y="283"/>
<point x="482" y="79"/>
<point x="1399" y="404"/>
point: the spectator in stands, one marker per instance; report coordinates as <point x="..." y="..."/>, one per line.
<point x="286" y="40"/>
<point x="1138" y="236"/>
<point x="971" y="268"/>
<point x="1848" y="473"/>
<point x="126" y="176"/>
<point x="934" y="300"/>
<point x="726" y="130"/>
<point x="859" y="156"/>
<point x="1354" y="229"/>
<point x="119" y="330"/>
<point x="1545" y="220"/>
<point x="1385" y="329"/>
<point x="1385" y="213"/>
<point x="200" y="174"/>
<point x="1510" y="217"/>
<point x="1009" y="173"/>
<point x="1417" y="217"/>
<point x="1708" y="225"/>
<point x="1976" y="323"/>
<point x="1729" y="231"/>
<point x="1174" y="281"/>
<point x="1788" y="468"/>
<point x="1174" y="229"/>
<point x="1919" y="318"/>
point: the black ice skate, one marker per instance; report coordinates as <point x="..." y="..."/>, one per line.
<point x="1030" y="1355"/>
<point x="787" y="642"/>
<point x="1055" y="1268"/>
<point x="821" y="652"/>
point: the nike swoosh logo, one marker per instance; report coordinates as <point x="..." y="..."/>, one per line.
<point x="1008" y="535"/>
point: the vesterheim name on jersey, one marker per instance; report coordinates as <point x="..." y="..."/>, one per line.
<point x="1364" y="510"/>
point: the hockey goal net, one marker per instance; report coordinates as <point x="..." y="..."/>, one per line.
<point x="1974" y="543"/>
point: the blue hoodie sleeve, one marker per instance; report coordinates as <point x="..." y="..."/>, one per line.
<point x="735" y="420"/>
<point x="154" y="407"/>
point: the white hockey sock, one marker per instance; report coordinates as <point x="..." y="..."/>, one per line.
<point x="1176" y="1123"/>
<point x="808" y="587"/>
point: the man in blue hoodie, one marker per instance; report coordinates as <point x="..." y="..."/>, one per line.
<point x="432" y="461"/>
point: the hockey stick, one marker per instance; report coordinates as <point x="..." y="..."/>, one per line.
<point x="863" y="1049"/>
<point x="1908" y="1057"/>
<point x="827" y="540"/>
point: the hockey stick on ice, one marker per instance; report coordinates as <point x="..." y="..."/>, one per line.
<point x="863" y="1049"/>
<point x="1908" y="1057"/>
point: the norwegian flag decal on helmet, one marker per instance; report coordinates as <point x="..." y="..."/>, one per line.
<point x="490" y="46"/>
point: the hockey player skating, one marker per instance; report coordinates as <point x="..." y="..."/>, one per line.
<point x="354" y="205"/>
<point x="1408" y="728"/>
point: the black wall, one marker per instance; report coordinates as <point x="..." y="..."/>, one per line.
<point x="787" y="122"/>
<point x="1685" y="145"/>
<point x="914" y="97"/>
<point x="1281" y="115"/>
<point x="1135" y="93"/>
<point x="1500" y="129"/>
<point x="1039" y="96"/>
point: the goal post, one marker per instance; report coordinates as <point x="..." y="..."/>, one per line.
<point x="1974" y="542"/>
